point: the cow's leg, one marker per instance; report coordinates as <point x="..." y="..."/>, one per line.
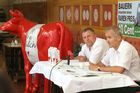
<point x="46" y="85"/>
<point x="35" y="86"/>
<point x="27" y="68"/>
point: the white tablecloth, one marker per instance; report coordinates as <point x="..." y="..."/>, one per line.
<point x="76" y="77"/>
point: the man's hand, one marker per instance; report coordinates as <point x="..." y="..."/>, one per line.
<point x="82" y="58"/>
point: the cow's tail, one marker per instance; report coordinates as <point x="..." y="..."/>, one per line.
<point x="61" y="37"/>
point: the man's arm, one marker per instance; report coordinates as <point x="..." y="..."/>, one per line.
<point x="100" y="66"/>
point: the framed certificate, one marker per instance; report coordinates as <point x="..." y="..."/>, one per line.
<point x="107" y="15"/>
<point x="95" y="15"/>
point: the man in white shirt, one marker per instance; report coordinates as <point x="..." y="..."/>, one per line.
<point x="94" y="48"/>
<point x="121" y="57"/>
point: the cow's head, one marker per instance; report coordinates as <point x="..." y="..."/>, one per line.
<point x="12" y="24"/>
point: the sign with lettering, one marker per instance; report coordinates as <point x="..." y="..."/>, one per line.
<point x="129" y="18"/>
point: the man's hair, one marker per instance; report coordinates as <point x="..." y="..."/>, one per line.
<point x="88" y="29"/>
<point x="115" y="29"/>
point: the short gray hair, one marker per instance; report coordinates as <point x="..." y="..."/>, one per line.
<point x="115" y="29"/>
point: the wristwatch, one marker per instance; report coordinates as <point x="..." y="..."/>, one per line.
<point x="98" y="69"/>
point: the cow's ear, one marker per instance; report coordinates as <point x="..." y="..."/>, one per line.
<point x="16" y="13"/>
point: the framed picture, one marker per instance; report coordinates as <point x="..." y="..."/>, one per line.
<point x="107" y="15"/>
<point x="61" y="13"/>
<point x="95" y="15"/>
<point x="68" y="14"/>
<point x="76" y="14"/>
<point x="85" y="15"/>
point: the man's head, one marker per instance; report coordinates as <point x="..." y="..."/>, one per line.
<point x="88" y="36"/>
<point x="113" y="36"/>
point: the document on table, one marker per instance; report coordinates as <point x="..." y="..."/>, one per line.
<point x="76" y="70"/>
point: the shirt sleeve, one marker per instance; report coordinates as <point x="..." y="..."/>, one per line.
<point x="82" y="53"/>
<point x="125" y="58"/>
<point x="97" y="54"/>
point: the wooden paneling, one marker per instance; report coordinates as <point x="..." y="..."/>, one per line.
<point x="33" y="11"/>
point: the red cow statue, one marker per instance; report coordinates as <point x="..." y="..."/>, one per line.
<point x="35" y="41"/>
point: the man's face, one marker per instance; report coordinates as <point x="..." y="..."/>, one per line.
<point x="88" y="38"/>
<point x="112" y="39"/>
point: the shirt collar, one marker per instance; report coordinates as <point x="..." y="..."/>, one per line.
<point x="120" y="46"/>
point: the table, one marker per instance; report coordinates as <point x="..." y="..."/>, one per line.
<point x="3" y="32"/>
<point x="10" y="45"/>
<point x="77" y="77"/>
<point x="14" y="59"/>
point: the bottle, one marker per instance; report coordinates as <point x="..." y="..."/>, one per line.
<point x="16" y="42"/>
<point x="68" y="60"/>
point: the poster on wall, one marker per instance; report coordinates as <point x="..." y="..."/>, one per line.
<point x="61" y="13"/>
<point x="129" y="18"/>
<point x="95" y="15"/>
<point x="76" y="15"/>
<point x="107" y="15"/>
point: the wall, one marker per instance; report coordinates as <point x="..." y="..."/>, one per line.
<point x="103" y="11"/>
<point x="34" y="10"/>
<point x="3" y="3"/>
<point x="65" y="10"/>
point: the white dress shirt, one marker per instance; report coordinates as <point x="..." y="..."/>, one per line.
<point x="97" y="51"/>
<point x="125" y="56"/>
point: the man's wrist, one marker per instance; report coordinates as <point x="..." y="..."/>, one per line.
<point x="98" y="68"/>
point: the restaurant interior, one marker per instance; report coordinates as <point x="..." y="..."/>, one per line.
<point x="75" y="15"/>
